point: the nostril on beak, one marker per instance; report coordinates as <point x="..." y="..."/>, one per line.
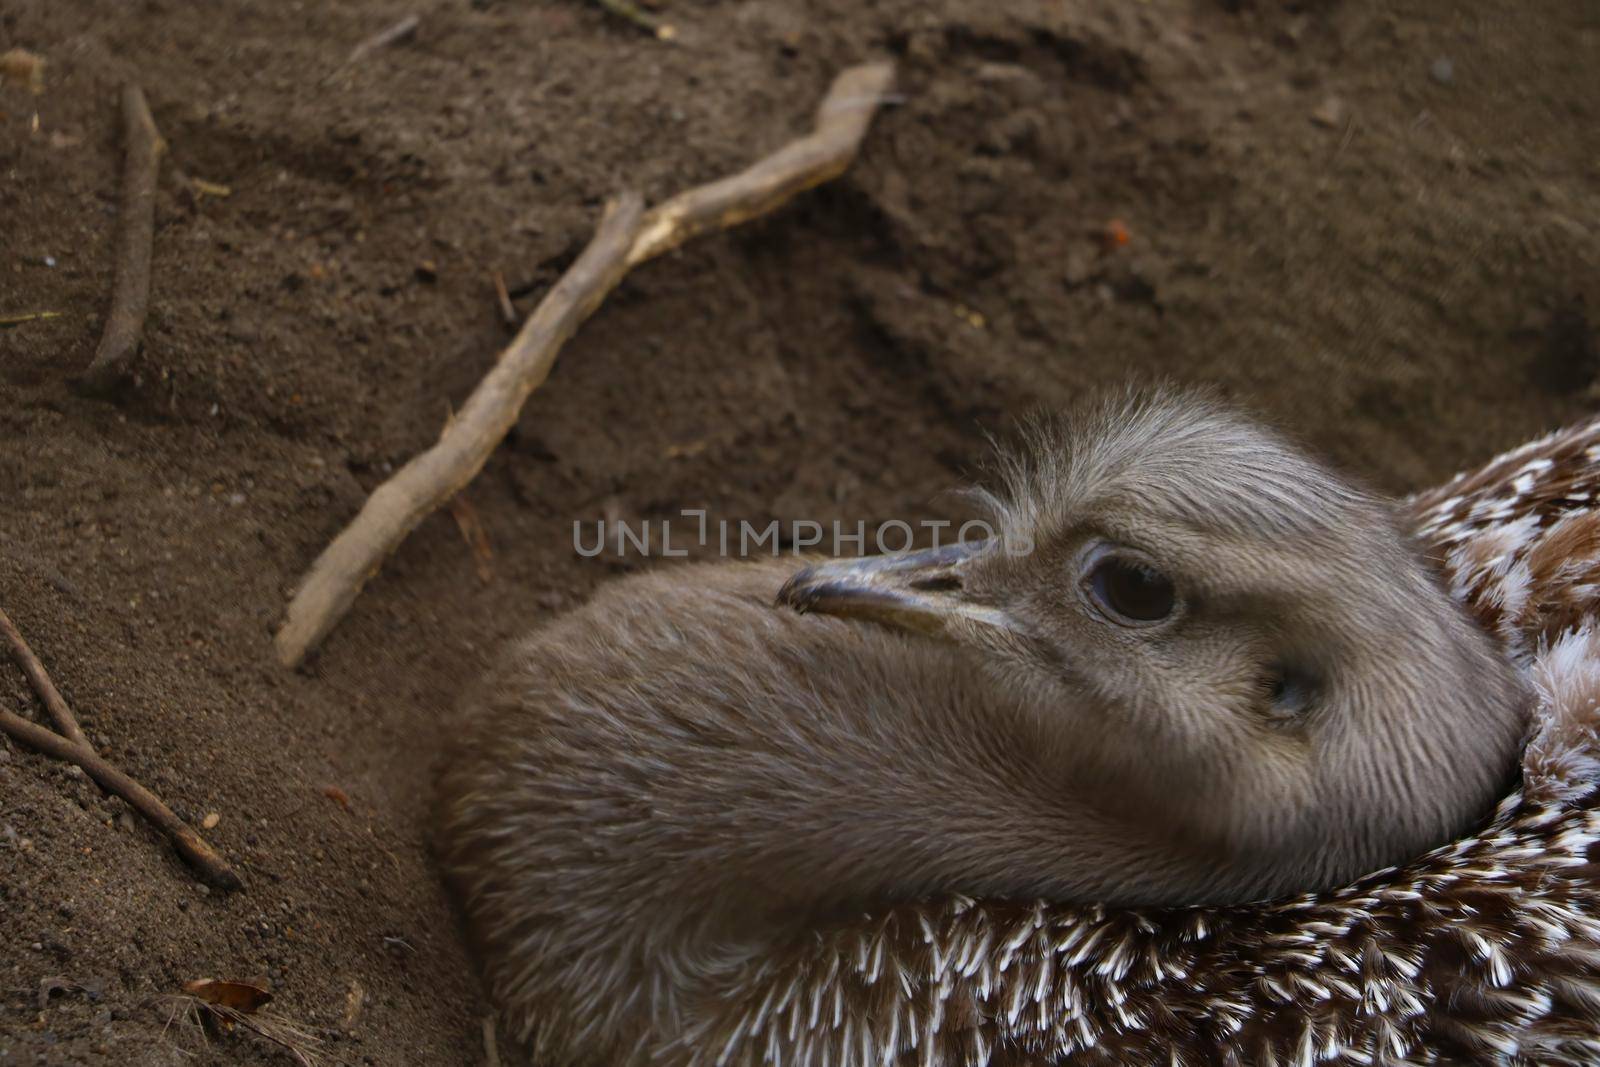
<point x="937" y="583"/>
<point x="802" y="591"/>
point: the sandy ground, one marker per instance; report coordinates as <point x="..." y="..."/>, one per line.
<point x="1374" y="223"/>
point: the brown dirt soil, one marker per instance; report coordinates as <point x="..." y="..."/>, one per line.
<point x="1373" y="222"/>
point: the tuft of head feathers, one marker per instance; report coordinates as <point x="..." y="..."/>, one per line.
<point x="1215" y="468"/>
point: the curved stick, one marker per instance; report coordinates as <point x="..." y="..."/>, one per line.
<point x="415" y="490"/>
<point x="627" y="237"/>
<point x="130" y="294"/>
<point x="842" y="121"/>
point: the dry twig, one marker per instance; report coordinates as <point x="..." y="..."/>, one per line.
<point x="631" y="12"/>
<point x="401" y="30"/>
<point x="39" y="678"/>
<point x="130" y="296"/>
<point x="73" y="747"/>
<point x="197" y="189"/>
<point x="491" y="1046"/>
<point x="508" y="310"/>
<point x="211" y="867"/>
<point x="627" y="236"/>
<point x="28" y="316"/>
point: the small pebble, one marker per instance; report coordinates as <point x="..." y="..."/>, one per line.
<point x="210" y="821"/>
<point x="1329" y="113"/>
<point x="1443" y="71"/>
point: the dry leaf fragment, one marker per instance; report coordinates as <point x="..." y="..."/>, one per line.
<point x="472" y="530"/>
<point x="693" y="448"/>
<point x="23" y="70"/>
<point x="239" y="996"/>
<point x="972" y="318"/>
<point x="198" y="188"/>
<point x="353" y="1001"/>
<point x="1114" y="235"/>
<point x="206" y="188"/>
<point x="337" y="795"/>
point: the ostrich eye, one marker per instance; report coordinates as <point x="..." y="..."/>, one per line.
<point x="1130" y="592"/>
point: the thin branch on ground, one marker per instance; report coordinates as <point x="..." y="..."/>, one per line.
<point x="394" y="34"/>
<point x="39" y="678"/>
<point x="72" y="746"/>
<point x="395" y="507"/>
<point x="508" y="310"/>
<point x="627" y="236"/>
<point x="491" y="1045"/>
<point x="28" y="316"/>
<point x="196" y="190"/>
<point x="130" y="295"/>
<point x="631" y="12"/>
<point x="211" y="867"/>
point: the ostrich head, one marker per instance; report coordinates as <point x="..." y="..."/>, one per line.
<point x="1227" y="645"/>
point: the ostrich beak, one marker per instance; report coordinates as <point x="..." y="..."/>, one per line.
<point x="920" y="591"/>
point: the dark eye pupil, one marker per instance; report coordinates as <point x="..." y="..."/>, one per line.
<point x="1133" y="591"/>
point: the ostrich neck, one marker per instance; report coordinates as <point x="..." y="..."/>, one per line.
<point x="812" y="766"/>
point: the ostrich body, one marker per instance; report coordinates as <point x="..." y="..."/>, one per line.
<point x="962" y="809"/>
